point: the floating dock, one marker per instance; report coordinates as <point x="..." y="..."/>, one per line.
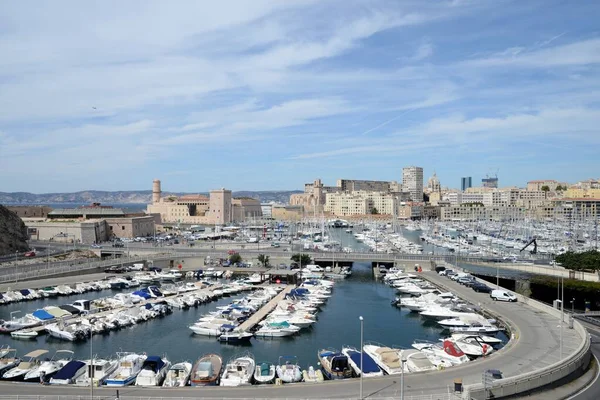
<point x="266" y="309"/>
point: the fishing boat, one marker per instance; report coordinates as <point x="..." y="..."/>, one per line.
<point x="334" y="364"/>
<point x="98" y="369"/>
<point x="238" y="371"/>
<point x="311" y="375"/>
<point x="69" y="373"/>
<point x="387" y="359"/>
<point x="288" y="369"/>
<point x="18" y="372"/>
<point x="48" y="368"/>
<point x="206" y="370"/>
<point x="8" y="359"/>
<point x="130" y="364"/>
<point x="178" y="375"/>
<point x="153" y="372"/>
<point x="264" y="373"/>
<point x="362" y="365"/>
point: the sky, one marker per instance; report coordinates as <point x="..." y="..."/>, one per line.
<point x="268" y="95"/>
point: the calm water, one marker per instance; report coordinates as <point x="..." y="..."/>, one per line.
<point x="338" y="324"/>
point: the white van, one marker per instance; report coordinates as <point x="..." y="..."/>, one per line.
<point x="503" y="295"/>
<point x="314" y="268"/>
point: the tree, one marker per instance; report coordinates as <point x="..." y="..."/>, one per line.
<point x="264" y="260"/>
<point x="235" y="258"/>
<point x="546" y="188"/>
<point x="560" y="188"/>
<point x="302" y="259"/>
<point x="374" y="211"/>
<point x="588" y="260"/>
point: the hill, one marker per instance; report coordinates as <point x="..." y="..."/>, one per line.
<point x="13" y="233"/>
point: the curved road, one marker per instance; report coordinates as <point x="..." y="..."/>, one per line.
<point x="592" y="392"/>
<point x="536" y="345"/>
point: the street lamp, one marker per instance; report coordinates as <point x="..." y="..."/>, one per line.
<point x="16" y="266"/>
<point x="573" y="306"/>
<point x="402" y="377"/>
<point x="92" y="367"/>
<point x="361" y="356"/>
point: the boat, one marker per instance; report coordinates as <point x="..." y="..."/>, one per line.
<point x="208" y="329"/>
<point x="71" y="332"/>
<point x="288" y="369"/>
<point x="206" y="370"/>
<point x="334" y="364"/>
<point x="311" y="375"/>
<point x="8" y="359"/>
<point x="238" y="371"/>
<point x="448" y="351"/>
<point x="369" y="366"/>
<point x="28" y="321"/>
<point x="264" y="373"/>
<point x="480" y="338"/>
<point x="48" y="368"/>
<point x="472" y="347"/>
<point x="69" y="373"/>
<point x="417" y="361"/>
<point x="277" y="329"/>
<point x="98" y="369"/>
<point x="18" y="372"/>
<point x="387" y="359"/>
<point x="26" y="334"/>
<point x="235" y="337"/>
<point x="475" y="328"/>
<point x="153" y="372"/>
<point x="130" y="364"/>
<point x="178" y="375"/>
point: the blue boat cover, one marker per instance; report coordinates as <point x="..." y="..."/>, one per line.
<point x="155" y="363"/>
<point x="69" y="370"/>
<point x="148" y="306"/>
<point x="155" y="291"/>
<point x="42" y="315"/>
<point x="25" y="292"/>
<point x="369" y="366"/>
<point x="228" y="327"/>
<point x="142" y="294"/>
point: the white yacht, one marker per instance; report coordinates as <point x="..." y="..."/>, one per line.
<point x="153" y="372"/>
<point x="387" y="358"/>
<point x="369" y="366"/>
<point x="18" y="372"/>
<point x="130" y="364"/>
<point x="448" y="351"/>
<point x="100" y="368"/>
<point x="48" y="368"/>
<point x="238" y="371"/>
<point x="277" y="329"/>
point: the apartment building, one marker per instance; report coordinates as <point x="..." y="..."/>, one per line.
<point x="412" y="182"/>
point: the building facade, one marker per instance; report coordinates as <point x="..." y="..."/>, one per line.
<point x="287" y="213"/>
<point x="30" y="211"/>
<point x="351" y="185"/>
<point x="412" y="182"/>
<point x="246" y="208"/>
<point x="433" y="184"/>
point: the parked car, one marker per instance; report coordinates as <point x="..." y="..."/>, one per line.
<point x="30" y="254"/>
<point x="503" y="295"/>
<point x="494" y="373"/>
<point x="481" y="287"/>
<point x="96" y="246"/>
<point x="115" y="269"/>
<point x="118" y="244"/>
<point x="468" y="282"/>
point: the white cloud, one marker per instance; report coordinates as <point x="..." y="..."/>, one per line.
<point x="424" y="51"/>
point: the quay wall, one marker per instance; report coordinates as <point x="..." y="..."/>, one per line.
<point x="571" y="366"/>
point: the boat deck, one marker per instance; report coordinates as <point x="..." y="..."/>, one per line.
<point x="266" y="309"/>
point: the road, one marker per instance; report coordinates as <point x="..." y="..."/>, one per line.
<point x="536" y="345"/>
<point x="592" y="392"/>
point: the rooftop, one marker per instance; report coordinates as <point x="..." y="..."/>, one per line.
<point x="94" y="211"/>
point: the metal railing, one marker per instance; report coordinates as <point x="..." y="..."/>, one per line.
<point x="440" y="396"/>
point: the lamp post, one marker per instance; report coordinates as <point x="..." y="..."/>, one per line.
<point x="573" y="306"/>
<point x="361" y="356"/>
<point x="402" y="379"/>
<point x="92" y="367"/>
<point x="16" y="266"/>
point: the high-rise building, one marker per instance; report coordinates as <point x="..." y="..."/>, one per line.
<point x="465" y="183"/>
<point x="412" y="182"/>
<point x="490" y="182"/>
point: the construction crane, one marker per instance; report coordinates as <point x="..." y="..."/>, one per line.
<point x="532" y="241"/>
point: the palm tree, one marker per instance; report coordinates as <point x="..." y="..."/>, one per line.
<point x="264" y="260"/>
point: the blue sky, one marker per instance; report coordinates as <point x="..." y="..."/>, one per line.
<point x="258" y="95"/>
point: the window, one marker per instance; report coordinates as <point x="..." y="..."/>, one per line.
<point x="122" y="228"/>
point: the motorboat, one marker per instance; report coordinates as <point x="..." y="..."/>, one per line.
<point x="18" y="372"/>
<point x="362" y="365"/>
<point x="334" y="364"/>
<point x="288" y="369"/>
<point x="264" y="373"/>
<point x="26" y="334"/>
<point x="206" y="371"/>
<point x="277" y="329"/>
<point x="98" y="369"/>
<point x="448" y="351"/>
<point x="48" y="368"/>
<point x="207" y="329"/>
<point x="417" y="361"/>
<point x="235" y="337"/>
<point x="130" y="364"/>
<point x="311" y="375"/>
<point x="464" y="320"/>
<point x="480" y="338"/>
<point x="28" y="321"/>
<point x="472" y="347"/>
<point x="238" y="371"/>
<point x="386" y="358"/>
<point x="71" y="332"/>
<point x="475" y="327"/>
<point x="178" y="375"/>
<point x="69" y="373"/>
<point x="153" y="372"/>
<point x="8" y="359"/>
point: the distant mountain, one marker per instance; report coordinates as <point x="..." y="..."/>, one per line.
<point x="125" y="197"/>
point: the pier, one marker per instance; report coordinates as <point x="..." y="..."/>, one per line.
<point x="266" y="309"/>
